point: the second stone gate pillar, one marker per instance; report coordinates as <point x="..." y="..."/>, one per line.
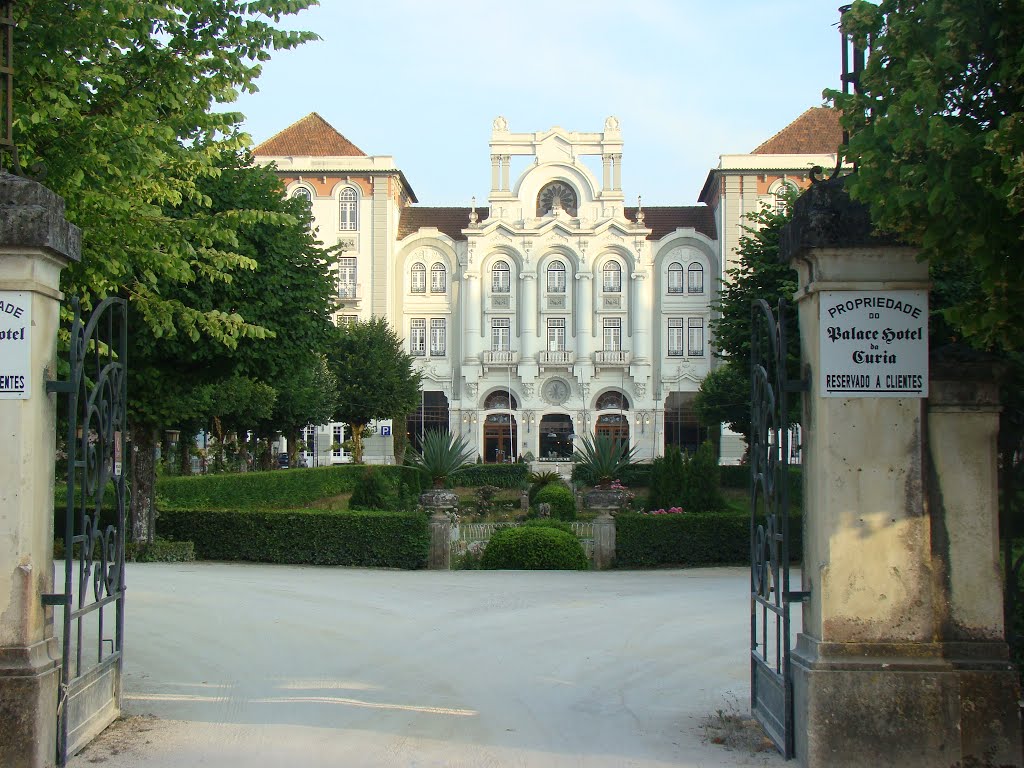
<point x="880" y="674"/>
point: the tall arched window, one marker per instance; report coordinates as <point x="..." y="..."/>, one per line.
<point x="303" y="193"/>
<point x="438" y="281"/>
<point x="784" y="190"/>
<point x="418" y="278"/>
<point x="612" y="399"/>
<point x="501" y="277"/>
<point x="612" y="277"/>
<point x="348" y="209"/>
<point x="695" y="278"/>
<point x="675" y="277"/>
<point x="556" y="277"/>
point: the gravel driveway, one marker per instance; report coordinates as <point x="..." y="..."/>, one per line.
<point x="258" y="665"/>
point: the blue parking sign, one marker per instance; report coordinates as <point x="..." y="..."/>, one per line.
<point x="385" y="431"/>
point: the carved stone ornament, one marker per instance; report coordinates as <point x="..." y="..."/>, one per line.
<point x="611" y="123"/>
<point x="556" y="391"/>
<point x="585" y="389"/>
<point x="528" y="389"/>
<point x="500" y="124"/>
<point x="640" y="389"/>
<point x="472" y="388"/>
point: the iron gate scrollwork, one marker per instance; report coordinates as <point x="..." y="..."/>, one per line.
<point x="94" y="530"/>
<point x="771" y="690"/>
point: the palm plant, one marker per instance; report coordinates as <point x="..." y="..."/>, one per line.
<point x="441" y="455"/>
<point x="602" y="458"/>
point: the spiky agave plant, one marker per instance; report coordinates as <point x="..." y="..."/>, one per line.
<point x="602" y="458"/>
<point x="441" y="455"/>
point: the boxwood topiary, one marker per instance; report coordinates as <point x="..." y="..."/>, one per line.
<point x="563" y="503"/>
<point x="534" y="548"/>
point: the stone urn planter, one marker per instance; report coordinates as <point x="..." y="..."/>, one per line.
<point x="606" y="501"/>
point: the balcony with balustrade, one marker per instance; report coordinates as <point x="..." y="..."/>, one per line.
<point x="556" y="359"/>
<point x="499" y="358"/>
<point x="612" y="359"/>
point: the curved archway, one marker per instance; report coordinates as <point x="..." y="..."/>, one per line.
<point x="500" y="428"/>
<point x="555" y="442"/>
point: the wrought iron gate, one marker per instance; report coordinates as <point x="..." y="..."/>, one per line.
<point x="771" y="688"/>
<point x="94" y="530"/>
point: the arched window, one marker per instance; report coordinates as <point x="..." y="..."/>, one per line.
<point x="675" y="277"/>
<point x="556" y="277"/>
<point x="612" y="277"/>
<point x="348" y="211"/>
<point x="303" y="193"/>
<point x="501" y="278"/>
<point x="695" y="278"/>
<point x="612" y="401"/>
<point x="784" y="190"/>
<point x="418" y="278"/>
<point x="557" y="196"/>
<point x="438" y="282"/>
<point x="502" y="399"/>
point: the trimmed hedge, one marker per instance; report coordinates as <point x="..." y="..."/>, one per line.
<point x="738" y="476"/>
<point x="499" y="475"/>
<point x="314" y="537"/>
<point x="534" y="548"/>
<point x="561" y="499"/>
<point x="276" y="489"/>
<point x="709" y="538"/>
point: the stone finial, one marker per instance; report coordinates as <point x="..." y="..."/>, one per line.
<point x="500" y="124"/>
<point x="826" y="216"/>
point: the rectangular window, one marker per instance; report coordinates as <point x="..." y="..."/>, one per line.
<point x="675" y="337"/>
<point x="437" y="279"/>
<point x="612" y="334"/>
<point x="501" y="334"/>
<point x="341" y="320"/>
<point x="556" y="334"/>
<point x="309" y="440"/>
<point x="438" y="336"/>
<point x="347" y="277"/>
<point x="695" y="328"/>
<point x="336" y="440"/>
<point x="418" y="337"/>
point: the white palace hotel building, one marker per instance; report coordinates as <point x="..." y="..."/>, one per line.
<point x="556" y="310"/>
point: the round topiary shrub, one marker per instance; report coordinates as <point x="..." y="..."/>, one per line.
<point x="563" y="503"/>
<point x="534" y="548"/>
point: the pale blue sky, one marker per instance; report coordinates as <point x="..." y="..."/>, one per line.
<point x="423" y="81"/>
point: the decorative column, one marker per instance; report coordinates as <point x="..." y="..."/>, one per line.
<point x="472" y="317"/>
<point x="495" y="173"/>
<point x="584" y="317"/>
<point x="900" y="659"/>
<point x="528" y="340"/>
<point x="36" y="243"/>
<point x="640" y="312"/>
<point x="617" y="172"/>
<point x="606" y="178"/>
<point x="439" y="502"/>
<point x="505" y="162"/>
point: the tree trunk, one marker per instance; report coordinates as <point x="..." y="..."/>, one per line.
<point x="357" y="442"/>
<point x="185" y="455"/>
<point x="143" y="485"/>
<point x="293" y="436"/>
<point x="399" y="439"/>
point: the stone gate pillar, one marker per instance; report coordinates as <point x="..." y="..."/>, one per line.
<point x="36" y="242"/>
<point x="901" y="659"/>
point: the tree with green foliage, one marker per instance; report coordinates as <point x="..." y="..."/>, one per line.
<point x="724" y="395"/>
<point x="937" y="132"/>
<point x="375" y="376"/>
<point x="667" y="480"/>
<point x="275" y="381"/>
<point x="118" y="101"/>
<point x="701" y="486"/>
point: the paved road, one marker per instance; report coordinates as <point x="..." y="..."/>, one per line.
<point x="252" y="665"/>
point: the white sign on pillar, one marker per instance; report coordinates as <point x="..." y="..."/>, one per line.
<point x="15" y="345"/>
<point x="874" y="344"/>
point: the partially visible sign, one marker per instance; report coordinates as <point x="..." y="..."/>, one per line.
<point x="118" y="458"/>
<point x="874" y="344"/>
<point x="15" y="345"/>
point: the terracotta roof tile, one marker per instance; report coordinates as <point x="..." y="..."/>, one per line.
<point x="815" y="132"/>
<point x="662" y="220"/>
<point x="312" y="136"/>
<point x="665" y="219"/>
<point x="450" y="221"/>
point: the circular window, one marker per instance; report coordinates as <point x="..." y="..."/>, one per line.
<point x="557" y="194"/>
<point x="556" y="391"/>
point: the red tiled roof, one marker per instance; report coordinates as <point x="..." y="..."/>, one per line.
<point x="815" y="132"/>
<point x="665" y="219"/>
<point x="450" y="221"/>
<point x="312" y="136"/>
<point x="662" y="220"/>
